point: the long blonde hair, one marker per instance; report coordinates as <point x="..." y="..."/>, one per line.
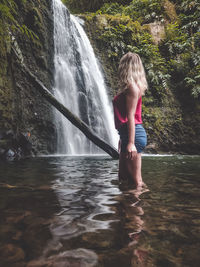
<point x="131" y="71"/>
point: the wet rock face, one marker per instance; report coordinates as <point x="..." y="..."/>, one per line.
<point x="15" y="146"/>
<point x="12" y="254"/>
<point x="157" y="30"/>
<point x="22" y="110"/>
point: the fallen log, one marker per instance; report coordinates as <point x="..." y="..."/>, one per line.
<point x="82" y="126"/>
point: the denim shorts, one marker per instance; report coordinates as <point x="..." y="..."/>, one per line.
<point x="140" y="137"/>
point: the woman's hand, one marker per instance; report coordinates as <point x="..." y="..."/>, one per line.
<point x="131" y="151"/>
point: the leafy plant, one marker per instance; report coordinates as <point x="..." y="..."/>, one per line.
<point x="8" y="13"/>
<point x="174" y="62"/>
<point x="145" y="10"/>
<point x="30" y="34"/>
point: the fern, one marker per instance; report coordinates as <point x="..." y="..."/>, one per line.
<point x="8" y="13"/>
<point x="29" y="33"/>
<point x="196" y="91"/>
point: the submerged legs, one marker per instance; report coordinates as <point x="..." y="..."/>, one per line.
<point x="130" y="169"/>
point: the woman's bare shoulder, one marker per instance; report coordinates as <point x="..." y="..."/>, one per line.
<point x="132" y="89"/>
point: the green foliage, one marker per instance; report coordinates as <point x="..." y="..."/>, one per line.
<point x="120" y="35"/>
<point x="29" y="33"/>
<point x="181" y="47"/>
<point x="5" y="12"/>
<point x="192" y="80"/>
<point x="91" y="5"/>
<point x="175" y="60"/>
<point x="83" y="5"/>
<point x="145" y="11"/>
<point x="176" y="41"/>
<point x="8" y="14"/>
<point x="111" y="9"/>
<point x="170" y="11"/>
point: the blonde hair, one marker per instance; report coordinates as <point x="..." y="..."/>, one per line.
<point x="131" y="71"/>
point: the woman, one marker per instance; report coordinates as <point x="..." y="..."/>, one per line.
<point x="128" y="121"/>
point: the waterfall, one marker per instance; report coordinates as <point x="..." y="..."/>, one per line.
<point x="79" y="85"/>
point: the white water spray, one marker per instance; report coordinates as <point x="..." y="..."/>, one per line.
<point x="79" y="85"/>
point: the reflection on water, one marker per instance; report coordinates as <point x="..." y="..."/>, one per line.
<point x="70" y="211"/>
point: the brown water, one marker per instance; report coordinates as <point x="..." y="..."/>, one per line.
<point x="70" y="211"/>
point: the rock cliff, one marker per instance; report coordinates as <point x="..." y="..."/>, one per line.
<point x="26" y="120"/>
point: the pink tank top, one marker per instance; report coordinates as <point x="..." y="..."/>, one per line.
<point x="120" y="115"/>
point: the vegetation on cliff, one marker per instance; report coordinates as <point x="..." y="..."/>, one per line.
<point x="166" y="34"/>
<point x="29" y="23"/>
<point x="11" y="24"/>
<point x="123" y="28"/>
<point x="90" y="5"/>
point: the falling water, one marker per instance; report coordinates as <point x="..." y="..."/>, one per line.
<point x="79" y="85"/>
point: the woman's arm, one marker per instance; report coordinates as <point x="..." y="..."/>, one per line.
<point x="119" y="146"/>
<point x="131" y="104"/>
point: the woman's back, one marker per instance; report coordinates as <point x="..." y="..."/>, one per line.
<point x="120" y="113"/>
